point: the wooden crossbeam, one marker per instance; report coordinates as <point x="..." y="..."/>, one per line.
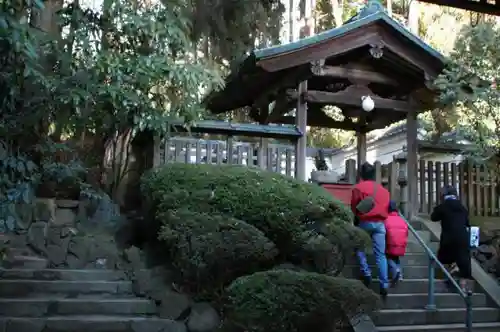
<point x="323" y="123"/>
<point x="355" y="75"/>
<point x="351" y="96"/>
<point x="486" y="8"/>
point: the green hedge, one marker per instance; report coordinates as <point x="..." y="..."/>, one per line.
<point x="209" y="251"/>
<point x="285" y="300"/>
<point x="278" y="205"/>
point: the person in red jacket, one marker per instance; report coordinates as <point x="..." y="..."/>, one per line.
<point x="396" y="241"/>
<point x="372" y="221"/>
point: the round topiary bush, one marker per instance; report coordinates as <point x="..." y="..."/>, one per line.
<point x="278" y="205"/>
<point x="289" y="301"/>
<point x="209" y="251"/>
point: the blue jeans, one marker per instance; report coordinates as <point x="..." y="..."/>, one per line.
<point x="394" y="264"/>
<point x="377" y="233"/>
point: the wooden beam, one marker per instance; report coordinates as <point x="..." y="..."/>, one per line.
<point x="262" y="101"/>
<point x="412" y="160"/>
<point x="355" y="74"/>
<point x="314" y="122"/>
<point x="361" y="149"/>
<point x="281" y="107"/>
<point x="351" y="96"/>
<point x="475" y="6"/>
<point x="301" y="144"/>
<point x="419" y="59"/>
<point x="328" y="48"/>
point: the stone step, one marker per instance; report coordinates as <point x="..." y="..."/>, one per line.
<point x="418" y="259"/>
<point x="25" y="262"/>
<point x="443" y="300"/>
<point x="90" y="323"/>
<point x="409" y="272"/>
<point x="386" y="317"/>
<point x="24" y="288"/>
<point x="414" y="247"/>
<point x="423" y="234"/>
<point x="40" y="307"/>
<point x="477" y="327"/>
<point x="416" y="286"/>
<point x="62" y="274"/>
<point x="23" y="251"/>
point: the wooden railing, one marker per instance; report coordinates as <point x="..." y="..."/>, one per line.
<point x="276" y="157"/>
<point x="477" y="186"/>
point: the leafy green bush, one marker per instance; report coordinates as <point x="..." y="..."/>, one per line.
<point x="285" y="300"/>
<point x="210" y="251"/>
<point x="278" y="205"/>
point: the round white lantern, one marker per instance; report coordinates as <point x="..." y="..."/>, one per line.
<point x="367" y="103"/>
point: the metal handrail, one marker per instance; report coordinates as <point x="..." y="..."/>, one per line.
<point x="433" y="261"/>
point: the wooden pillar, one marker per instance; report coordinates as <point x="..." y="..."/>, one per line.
<point x="412" y="167"/>
<point x="301" y="123"/>
<point x="262" y="157"/>
<point x="402" y="160"/>
<point x="229" y="149"/>
<point x="361" y="149"/>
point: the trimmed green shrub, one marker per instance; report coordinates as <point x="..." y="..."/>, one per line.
<point x="210" y="251"/>
<point x="289" y="301"/>
<point x="278" y="205"/>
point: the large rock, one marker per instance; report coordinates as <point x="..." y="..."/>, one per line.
<point x="173" y="305"/>
<point x="45" y="209"/>
<point x="203" y="318"/>
<point x="65" y="216"/>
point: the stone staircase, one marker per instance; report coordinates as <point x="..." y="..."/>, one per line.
<point x="405" y="306"/>
<point x="34" y="298"/>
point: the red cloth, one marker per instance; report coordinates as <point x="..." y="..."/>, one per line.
<point x="382" y="198"/>
<point x="396" y="235"/>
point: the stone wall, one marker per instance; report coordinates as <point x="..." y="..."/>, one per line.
<point x="157" y="283"/>
<point x="69" y="234"/>
<point x="488" y="252"/>
<point x="81" y="235"/>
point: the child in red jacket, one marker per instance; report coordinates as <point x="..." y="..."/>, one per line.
<point x="396" y="241"/>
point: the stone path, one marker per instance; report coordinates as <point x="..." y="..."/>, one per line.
<point x="36" y="299"/>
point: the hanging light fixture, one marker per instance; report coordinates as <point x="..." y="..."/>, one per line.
<point x="367" y="103"/>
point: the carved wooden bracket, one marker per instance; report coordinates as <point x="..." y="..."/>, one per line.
<point x="317" y="67"/>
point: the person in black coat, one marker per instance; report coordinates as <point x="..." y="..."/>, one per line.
<point x="454" y="244"/>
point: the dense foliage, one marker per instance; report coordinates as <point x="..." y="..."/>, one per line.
<point x="469" y="89"/>
<point x="78" y="83"/>
<point x="284" y="300"/>
<point x="209" y="250"/>
<point x="220" y="222"/>
<point x="305" y="223"/>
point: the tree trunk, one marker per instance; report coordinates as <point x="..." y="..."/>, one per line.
<point x="413" y="15"/>
<point x="337" y="12"/>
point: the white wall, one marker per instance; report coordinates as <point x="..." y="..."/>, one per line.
<point x="384" y="152"/>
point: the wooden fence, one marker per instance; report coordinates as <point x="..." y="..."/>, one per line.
<point x="278" y="158"/>
<point x="477" y="186"/>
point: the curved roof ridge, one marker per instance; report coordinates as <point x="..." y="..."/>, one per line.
<point x="372" y="12"/>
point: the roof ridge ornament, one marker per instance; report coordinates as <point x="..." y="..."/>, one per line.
<point x="371" y="7"/>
